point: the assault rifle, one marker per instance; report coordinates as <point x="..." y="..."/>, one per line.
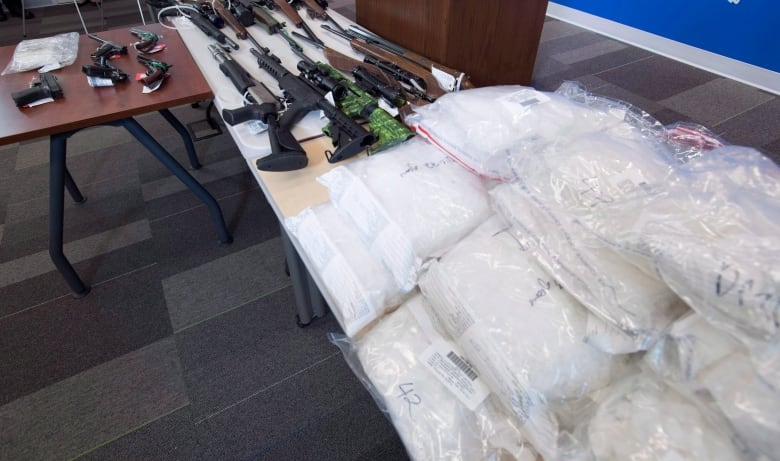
<point x="347" y="136"/>
<point x="286" y="153"/>
<point x="422" y="80"/>
<point x="357" y="103"/>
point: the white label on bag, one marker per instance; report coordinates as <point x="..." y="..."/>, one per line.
<point x="256" y="126"/>
<point x="446" y="81"/>
<point x="455" y="372"/>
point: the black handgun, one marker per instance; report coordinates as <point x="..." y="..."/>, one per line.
<point x="46" y="86"/>
<point x="107" y="48"/>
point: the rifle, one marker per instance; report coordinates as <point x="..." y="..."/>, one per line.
<point x="232" y="21"/>
<point x="348" y="137"/>
<point x="262" y="16"/>
<point x="317" y="11"/>
<point x="292" y="15"/>
<point x="286" y="153"/>
<point x="423" y="80"/>
<point x="448" y="78"/>
<point x="370" y="77"/>
<point x="357" y="103"/>
<point x="208" y="28"/>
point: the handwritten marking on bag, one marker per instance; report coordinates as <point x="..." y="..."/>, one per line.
<point x="409" y="396"/>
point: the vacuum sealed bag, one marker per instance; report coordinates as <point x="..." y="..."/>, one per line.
<point x="711" y="235"/>
<point x="715" y="370"/>
<point x="636" y="305"/>
<point x="522" y="331"/>
<point x="402" y="360"/>
<point x="361" y="288"/>
<point x="54" y="52"/>
<point x="408" y="204"/>
<point x="643" y="419"/>
<point x="484" y="128"/>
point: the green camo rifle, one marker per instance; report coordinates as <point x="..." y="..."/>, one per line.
<point x="357" y="103"/>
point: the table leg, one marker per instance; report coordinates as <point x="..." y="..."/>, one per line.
<point x="308" y="300"/>
<point x="174" y="167"/>
<point x="57" y="181"/>
<point x="75" y="193"/>
<point x="185" y="136"/>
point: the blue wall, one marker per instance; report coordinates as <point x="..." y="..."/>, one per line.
<point x="745" y="30"/>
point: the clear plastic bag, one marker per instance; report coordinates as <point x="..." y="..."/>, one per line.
<point x="714" y="370"/>
<point x="643" y="419"/>
<point x="360" y="286"/>
<point x="59" y="50"/>
<point x="431" y="421"/>
<point x="485" y="128"/>
<point x="638" y="306"/>
<point x="408" y="204"/>
<point x="519" y="327"/>
<point x="711" y="235"/>
<point x="690" y="140"/>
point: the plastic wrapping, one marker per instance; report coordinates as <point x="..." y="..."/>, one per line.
<point x="712" y="236"/>
<point x="690" y="140"/>
<point x="408" y="204"/>
<point x="643" y="419"/>
<point x="486" y="127"/>
<point x="58" y="50"/>
<point x="636" y="304"/>
<point x="519" y="328"/>
<point x="431" y="421"/>
<point x="361" y="288"/>
<point x="714" y="369"/>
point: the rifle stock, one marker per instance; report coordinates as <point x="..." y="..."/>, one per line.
<point x="286" y="153"/>
<point x="230" y="19"/>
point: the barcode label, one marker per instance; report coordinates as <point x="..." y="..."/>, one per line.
<point x="455" y="373"/>
<point x="463" y="365"/>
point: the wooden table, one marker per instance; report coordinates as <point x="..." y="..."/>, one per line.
<point x="83" y="106"/>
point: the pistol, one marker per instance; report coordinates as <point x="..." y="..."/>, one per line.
<point x="107" y="48"/>
<point x="46" y="86"/>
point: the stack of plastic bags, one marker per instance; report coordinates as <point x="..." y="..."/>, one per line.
<point x="640" y="418"/>
<point x="407" y="205"/>
<point x="431" y="420"/>
<point x="519" y="327"/>
<point x="711" y="235"/>
<point x="555" y="304"/>
<point x="359" y="286"/>
<point x="715" y="370"/>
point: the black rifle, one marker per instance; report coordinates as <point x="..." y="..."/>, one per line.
<point x="348" y="137"/>
<point x="208" y="28"/>
<point x="286" y="153"/>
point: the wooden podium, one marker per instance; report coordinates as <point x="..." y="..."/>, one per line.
<point x="493" y="41"/>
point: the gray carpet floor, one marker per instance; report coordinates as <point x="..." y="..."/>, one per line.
<point x="187" y="349"/>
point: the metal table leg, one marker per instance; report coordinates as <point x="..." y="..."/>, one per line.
<point x="185" y="136"/>
<point x="309" y="302"/>
<point x="75" y="193"/>
<point x="174" y="167"/>
<point x="58" y="178"/>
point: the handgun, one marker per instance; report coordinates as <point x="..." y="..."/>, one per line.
<point x="46" y="86"/>
<point x="107" y="48"/>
